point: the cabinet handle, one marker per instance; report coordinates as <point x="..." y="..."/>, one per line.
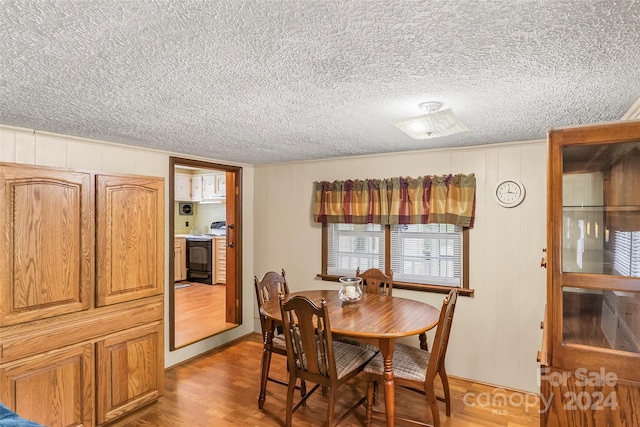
<point x="543" y="262"/>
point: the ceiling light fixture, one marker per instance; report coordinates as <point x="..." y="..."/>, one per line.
<point x="434" y="124"/>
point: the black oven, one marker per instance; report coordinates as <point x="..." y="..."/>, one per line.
<point x="199" y="260"/>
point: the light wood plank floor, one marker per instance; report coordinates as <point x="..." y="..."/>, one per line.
<point x="200" y="312"/>
<point x="221" y="389"/>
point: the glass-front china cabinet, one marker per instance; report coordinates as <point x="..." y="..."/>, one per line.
<point x="590" y="361"/>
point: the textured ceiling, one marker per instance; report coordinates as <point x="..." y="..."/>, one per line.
<point x="273" y="81"/>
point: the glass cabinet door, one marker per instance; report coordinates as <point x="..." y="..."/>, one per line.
<point x="601" y="236"/>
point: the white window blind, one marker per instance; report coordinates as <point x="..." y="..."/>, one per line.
<point x="427" y="253"/>
<point x="355" y="245"/>
<point x="626" y="253"/>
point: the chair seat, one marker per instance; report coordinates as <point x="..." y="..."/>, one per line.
<point x="349" y="357"/>
<point x="278" y="343"/>
<point x="357" y="343"/>
<point x="409" y="363"/>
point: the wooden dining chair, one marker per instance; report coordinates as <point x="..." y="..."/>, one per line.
<point x="267" y="289"/>
<point x="375" y="281"/>
<point x="416" y="369"/>
<point x="313" y="355"/>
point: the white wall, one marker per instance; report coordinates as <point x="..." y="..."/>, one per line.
<point x="46" y="149"/>
<point x="496" y="333"/>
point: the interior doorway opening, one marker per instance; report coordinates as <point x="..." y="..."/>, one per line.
<point x="205" y="232"/>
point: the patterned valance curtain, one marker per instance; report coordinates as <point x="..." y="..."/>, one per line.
<point x="444" y="199"/>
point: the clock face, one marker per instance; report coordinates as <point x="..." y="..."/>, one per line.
<point x="509" y="193"/>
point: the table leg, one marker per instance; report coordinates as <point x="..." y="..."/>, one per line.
<point x="386" y="348"/>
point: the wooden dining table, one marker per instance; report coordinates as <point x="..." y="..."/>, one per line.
<point x="378" y="319"/>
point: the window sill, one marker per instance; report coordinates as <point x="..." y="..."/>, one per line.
<point x="411" y="286"/>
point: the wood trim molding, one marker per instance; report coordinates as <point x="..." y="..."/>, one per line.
<point x="634" y="111"/>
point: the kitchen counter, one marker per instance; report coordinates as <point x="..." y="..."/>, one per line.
<point x="214" y="233"/>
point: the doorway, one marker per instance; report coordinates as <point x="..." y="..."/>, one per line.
<point x="205" y="215"/>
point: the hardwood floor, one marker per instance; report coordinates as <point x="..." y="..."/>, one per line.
<point x="221" y="389"/>
<point x="200" y="312"/>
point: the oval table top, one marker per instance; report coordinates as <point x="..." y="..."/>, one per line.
<point x="375" y="316"/>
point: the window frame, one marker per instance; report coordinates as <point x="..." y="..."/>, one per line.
<point x="463" y="289"/>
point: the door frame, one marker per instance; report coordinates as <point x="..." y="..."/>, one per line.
<point x="233" y="312"/>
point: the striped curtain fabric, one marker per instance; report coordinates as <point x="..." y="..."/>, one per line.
<point x="445" y="199"/>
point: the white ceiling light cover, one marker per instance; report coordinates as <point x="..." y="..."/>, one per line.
<point x="432" y="125"/>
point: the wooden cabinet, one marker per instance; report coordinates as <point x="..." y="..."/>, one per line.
<point x="180" y="260"/>
<point x="55" y="388"/>
<point x="591" y="347"/>
<point x="46" y="252"/>
<point x="220" y="255"/>
<point x="61" y="317"/>
<point x="130" y="238"/>
<point x="127" y="371"/>
<point x="182" y="187"/>
<point x="196" y="188"/>
<point x="221" y="184"/>
<point x="214" y="186"/>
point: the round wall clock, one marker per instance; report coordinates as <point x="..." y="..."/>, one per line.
<point x="509" y="193"/>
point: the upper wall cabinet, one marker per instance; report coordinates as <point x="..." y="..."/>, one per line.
<point x="130" y="238"/>
<point x="214" y="186"/>
<point x="196" y="188"/>
<point x="46" y="264"/>
<point x="182" y="187"/>
<point x="200" y="187"/>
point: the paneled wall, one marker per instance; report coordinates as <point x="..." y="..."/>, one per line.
<point x="496" y="333"/>
<point x="41" y="148"/>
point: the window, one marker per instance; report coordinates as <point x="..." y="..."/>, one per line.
<point x="355" y="245"/>
<point x="427" y="254"/>
<point x="626" y="253"/>
<point x="422" y="256"/>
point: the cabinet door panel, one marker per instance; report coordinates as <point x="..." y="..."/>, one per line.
<point x="130" y="238"/>
<point x="221" y="184"/>
<point x="130" y="371"/>
<point x="196" y="188"/>
<point x="180" y="263"/>
<point x="53" y="389"/>
<point x="208" y="186"/>
<point x="46" y="243"/>
<point x="182" y="187"/>
<point x="581" y="399"/>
